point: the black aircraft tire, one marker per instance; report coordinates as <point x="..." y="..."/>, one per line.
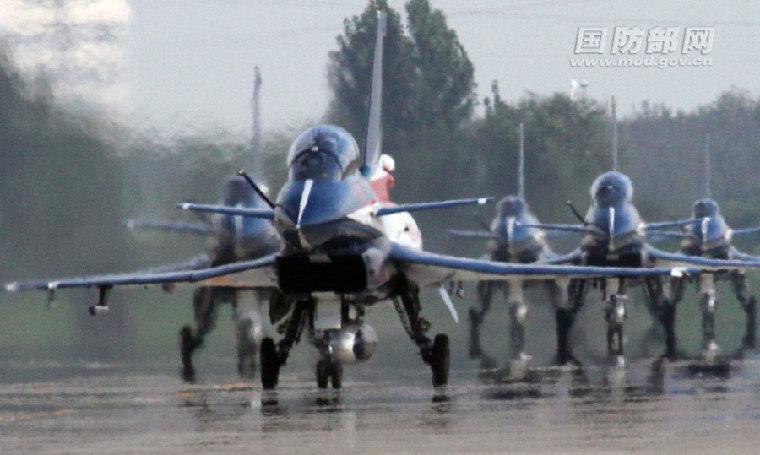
<point x="270" y="364"/>
<point x="336" y="375"/>
<point x="323" y="373"/>
<point x="439" y="361"/>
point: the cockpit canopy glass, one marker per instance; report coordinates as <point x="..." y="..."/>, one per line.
<point x="611" y="188"/>
<point x="704" y="208"/>
<point x="511" y="206"/>
<point x="323" y="153"/>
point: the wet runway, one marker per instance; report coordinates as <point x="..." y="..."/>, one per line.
<point x="107" y="408"/>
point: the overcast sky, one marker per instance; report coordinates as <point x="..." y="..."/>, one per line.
<point x="187" y="65"/>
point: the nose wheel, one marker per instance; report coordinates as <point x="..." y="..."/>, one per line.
<point x="440" y="359"/>
<point x="329" y="372"/>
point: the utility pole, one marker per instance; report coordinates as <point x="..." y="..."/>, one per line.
<point x="613" y="112"/>
<point x="708" y="168"/>
<point x="521" y="164"/>
<point x="256" y="151"/>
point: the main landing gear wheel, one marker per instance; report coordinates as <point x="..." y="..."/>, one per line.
<point x="187" y="346"/>
<point x="270" y="364"/>
<point x="329" y="371"/>
<point x="439" y="360"/>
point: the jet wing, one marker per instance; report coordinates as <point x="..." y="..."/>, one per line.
<point x="565" y="227"/>
<point x="666" y="259"/>
<point x="745" y="231"/>
<point x="170" y="226"/>
<point x="430" y="269"/>
<point x="267" y="214"/>
<point x="257" y="273"/>
<point x="201" y="261"/>
<point x="672" y="224"/>
<point x="471" y="234"/>
<point x="743" y="256"/>
<point x="569" y="258"/>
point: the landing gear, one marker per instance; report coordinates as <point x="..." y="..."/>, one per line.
<point x="749" y="305"/>
<point x="434" y="353"/>
<point x="204" y="312"/>
<point x="518" y="311"/>
<point x="329" y="371"/>
<point x="750" y="310"/>
<point x="615" y="315"/>
<point x="187" y="344"/>
<point x="708" y="303"/>
<point x="440" y="359"/>
<point x="270" y="364"/>
<point x="485" y="292"/>
<point x="662" y="298"/>
<point x="274" y="357"/>
<point x="565" y="317"/>
<point x="246" y="349"/>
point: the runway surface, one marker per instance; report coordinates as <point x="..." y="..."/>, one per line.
<point x="109" y="408"/>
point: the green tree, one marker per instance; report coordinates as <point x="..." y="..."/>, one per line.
<point x="428" y="78"/>
<point x="444" y="87"/>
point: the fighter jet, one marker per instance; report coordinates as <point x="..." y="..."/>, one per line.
<point x="712" y="238"/>
<point x="230" y="239"/>
<point x="616" y="236"/>
<point x="511" y="239"/>
<point x="342" y="250"/>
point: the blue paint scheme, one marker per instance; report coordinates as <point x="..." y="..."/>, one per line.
<point x="613" y="213"/>
<point x="146" y="278"/>
<point x="338" y="191"/>
<point x="711" y="233"/>
<point x="323" y="152"/>
<point x="405" y="256"/>
<point x="325" y="215"/>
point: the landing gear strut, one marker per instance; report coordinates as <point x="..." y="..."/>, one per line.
<point x="615" y="315"/>
<point x="708" y="303"/>
<point x="749" y="305"/>
<point x="274" y="357"/>
<point x="434" y="353"/>
<point x="204" y="311"/>
<point x="663" y="297"/>
<point x="565" y="317"/>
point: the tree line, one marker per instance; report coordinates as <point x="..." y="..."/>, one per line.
<point x="69" y="179"/>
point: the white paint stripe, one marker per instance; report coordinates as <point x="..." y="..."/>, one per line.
<point x="612" y="221"/>
<point x="304" y="200"/>
<point x="449" y="304"/>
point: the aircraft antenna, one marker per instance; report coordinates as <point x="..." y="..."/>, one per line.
<point x="521" y="164"/>
<point x="373" y="140"/>
<point x="708" y="168"/>
<point x="613" y="112"/>
<point x="256" y="151"/>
